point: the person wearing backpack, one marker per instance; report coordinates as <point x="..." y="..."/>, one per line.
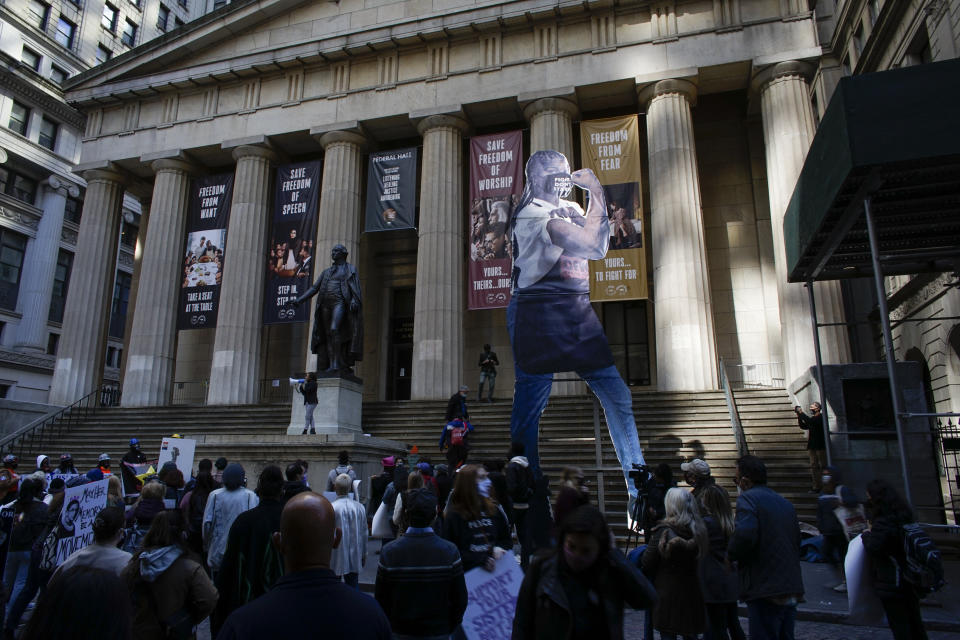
<point x="887" y="513"/>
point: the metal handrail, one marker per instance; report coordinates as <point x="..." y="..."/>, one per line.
<point x="105" y="396"/>
<point x="735" y="423"/>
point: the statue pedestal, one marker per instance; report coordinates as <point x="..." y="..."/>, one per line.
<point x="339" y="408"/>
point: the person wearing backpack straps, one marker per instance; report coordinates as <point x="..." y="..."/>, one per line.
<point x="887" y="513"/>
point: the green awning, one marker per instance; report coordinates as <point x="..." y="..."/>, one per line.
<point x="893" y="136"/>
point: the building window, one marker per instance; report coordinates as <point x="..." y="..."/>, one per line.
<point x="61" y="280"/>
<point x="163" y="16"/>
<point x="30" y="58"/>
<point x="183" y="3"/>
<point x="39" y="13"/>
<point x="136" y="3"/>
<point x="65" y="32"/>
<point x="103" y="54"/>
<point x="48" y="134"/>
<point x="129" y="37"/>
<point x="19" y="118"/>
<point x="58" y="75"/>
<point x="177" y="22"/>
<point x="53" y="341"/>
<point x="12" y="247"/>
<point x="18" y="185"/>
<point x="118" y="310"/>
<point x="73" y="209"/>
<point x="109" y="18"/>
<point x="919" y="50"/>
<point x="128" y="235"/>
<point x="217" y="4"/>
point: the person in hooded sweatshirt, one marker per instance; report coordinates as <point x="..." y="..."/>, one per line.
<point x="168" y="587"/>
<point x="520" y="487"/>
<point x="343" y="466"/>
<point x="223" y="507"/>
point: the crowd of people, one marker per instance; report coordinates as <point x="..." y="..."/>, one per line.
<point x="272" y="561"/>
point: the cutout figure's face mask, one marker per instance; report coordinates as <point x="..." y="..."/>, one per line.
<point x="559" y="183"/>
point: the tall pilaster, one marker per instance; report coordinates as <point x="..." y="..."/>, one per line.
<point x="151" y="350"/>
<point x="686" y="348"/>
<point x="145" y="201"/>
<point x="83" y="343"/>
<point x="235" y="374"/>
<point x="439" y="303"/>
<point x="36" y="287"/>
<point x="788" y="130"/>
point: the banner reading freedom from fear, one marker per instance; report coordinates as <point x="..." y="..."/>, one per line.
<point x="391" y="190"/>
<point x="611" y="148"/>
<point x="496" y="181"/>
<point x="290" y="252"/>
<point x="209" y="213"/>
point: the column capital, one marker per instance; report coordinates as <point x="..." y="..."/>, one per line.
<point x="173" y="164"/>
<point x="111" y="174"/>
<point x="685" y="88"/>
<point x="62" y="186"/>
<point x="803" y="70"/>
<point x="554" y="103"/>
<point x="344" y="137"/>
<point x="442" y="121"/>
<point x="254" y="151"/>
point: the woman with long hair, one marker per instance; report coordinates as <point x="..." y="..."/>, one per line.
<point x="474" y="522"/>
<point x="114" y="492"/>
<point x="170" y="588"/>
<point x="672" y="560"/>
<point x="414" y="481"/>
<point x="887" y="512"/>
<point x="718" y="578"/>
<point x="579" y="590"/>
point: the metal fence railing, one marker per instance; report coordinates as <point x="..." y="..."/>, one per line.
<point x="738" y="434"/>
<point x="190" y="392"/>
<point x="762" y="375"/>
<point x="276" y="391"/>
<point x="269" y="391"/>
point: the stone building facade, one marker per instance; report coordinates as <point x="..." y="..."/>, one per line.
<point x="727" y="112"/>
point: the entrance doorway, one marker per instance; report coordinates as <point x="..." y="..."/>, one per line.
<point x="400" y="349"/>
<point x="625" y="324"/>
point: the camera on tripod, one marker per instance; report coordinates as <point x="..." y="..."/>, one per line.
<point x="639" y="474"/>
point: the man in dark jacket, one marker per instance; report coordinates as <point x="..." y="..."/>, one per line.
<point x="309" y="597"/>
<point x="520" y="487"/>
<point x="420" y="582"/>
<point x="766" y="544"/>
<point x="294" y="483"/>
<point x="816" y="442"/>
<point x="133" y="456"/>
<point x="457" y="405"/>
<point x="488" y="364"/>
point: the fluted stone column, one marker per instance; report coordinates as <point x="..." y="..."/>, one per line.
<point x="145" y="200"/>
<point x="788" y="130"/>
<point x="686" y="348"/>
<point x="83" y="343"/>
<point x="36" y="286"/>
<point x="235" y="374"/>
<point x="551" y="127"/>
<point x="439" y="303"/>
<point x="151" y="347"/>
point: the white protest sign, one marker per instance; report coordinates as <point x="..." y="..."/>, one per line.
<point x="80" y="508"/>
<point x="180" y="452"/>
<point x="66" y="477"/>
<point x="492" y="600"/>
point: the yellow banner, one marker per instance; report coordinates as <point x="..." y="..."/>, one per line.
<point x="611" y="147"/>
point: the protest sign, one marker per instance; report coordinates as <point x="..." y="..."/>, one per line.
<point x="80" y="508"/>
<point x="180" y="452"/>
<point x="6" y="527"/>
<point x="66" y="477"/>
<point x="492" y="600"/>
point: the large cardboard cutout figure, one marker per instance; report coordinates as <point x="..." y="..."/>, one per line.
<point x="552" y="326"/>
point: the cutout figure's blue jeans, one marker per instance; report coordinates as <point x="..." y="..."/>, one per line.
<point x="531" y="392"/>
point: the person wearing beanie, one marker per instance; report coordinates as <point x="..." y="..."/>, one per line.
<point x="94" y="475"/>
<point x="133" y="456"/>
<point x="343" y="466"/>
<point x="223" y="507"/>
<point x="420" y="583"/>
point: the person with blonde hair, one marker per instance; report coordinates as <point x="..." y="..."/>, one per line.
<point x="672" y="561"/>
<point x="414" y="481"/>
<point x="350" y="556"/>
<point x="718" y="577"/>
<point x="114" y="492"/>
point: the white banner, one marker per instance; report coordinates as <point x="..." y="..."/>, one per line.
<point x="492" y="600"/>
<point x="180" y="451"/>
<point x="80" y="508"/>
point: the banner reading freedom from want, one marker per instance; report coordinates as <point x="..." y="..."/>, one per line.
<point x="496" y="181"/>
<point x="611" y="148"/>
<point x="391" y="190"/>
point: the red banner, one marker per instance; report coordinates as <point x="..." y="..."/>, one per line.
<point x="496" y="182"/>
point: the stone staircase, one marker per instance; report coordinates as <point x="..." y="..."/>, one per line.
<point x="673" y="427"/>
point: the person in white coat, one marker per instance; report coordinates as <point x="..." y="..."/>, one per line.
<point x="348" y="558"/>
<point x="223" y="507"/>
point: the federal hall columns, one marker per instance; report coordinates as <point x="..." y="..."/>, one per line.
<point x="83" y="342"/>
<point x="438" y="315"/>
<point x="151" y="350"/>
<point x="686" y="350"/>
<point x="235" y="372"/>
<point x="788" y="130"/>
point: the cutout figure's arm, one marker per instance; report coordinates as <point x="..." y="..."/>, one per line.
<point x="593" y="238"/>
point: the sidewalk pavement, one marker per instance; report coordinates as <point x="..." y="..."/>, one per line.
<point x="941" y="610"/>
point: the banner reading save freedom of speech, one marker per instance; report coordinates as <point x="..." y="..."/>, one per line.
<point x="496" y="181"/>
<point x="391" y="190"/>
<point x="208" y="215"/>
<point x="611" y="147"/>
<point x="290" y="252"/>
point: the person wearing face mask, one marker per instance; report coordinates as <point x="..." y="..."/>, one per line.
<point x="474" y="522"/>
<point x="579" y="591"/>
<point x="766" y="544"/>
<point x="551" y="323"/>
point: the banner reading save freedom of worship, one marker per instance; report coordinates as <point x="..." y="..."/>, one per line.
<point x="207" y="218"/>
<point x="391" y="190"/>
<point x="496" y="182"/>
<point x="290" y="256"/>
<point x="611" y="147"/>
